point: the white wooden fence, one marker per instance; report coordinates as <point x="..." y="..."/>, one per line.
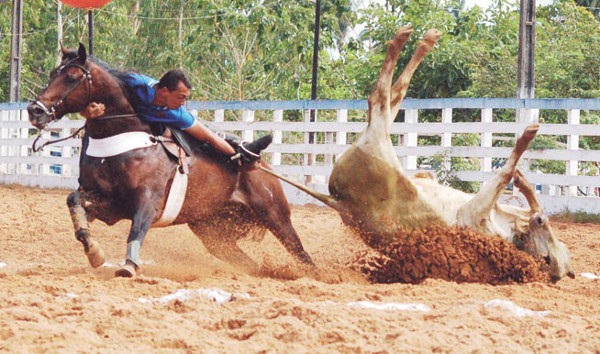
<point x="337" y="126"/>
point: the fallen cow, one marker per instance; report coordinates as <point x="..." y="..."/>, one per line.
<point x="374" y="195"/>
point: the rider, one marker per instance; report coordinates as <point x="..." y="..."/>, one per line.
<point x="162" y="102"/>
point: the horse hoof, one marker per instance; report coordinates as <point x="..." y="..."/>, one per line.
<point x="126" y="271"/>
<point x="95" y="254"/>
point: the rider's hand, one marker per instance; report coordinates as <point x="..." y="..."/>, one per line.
<point x="245" y="156"/>
<point x="93" y="110"/>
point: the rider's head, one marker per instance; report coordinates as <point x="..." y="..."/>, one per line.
<point x="173" y="89"/>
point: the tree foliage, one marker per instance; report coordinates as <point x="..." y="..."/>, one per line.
<point x="262" y="49"/>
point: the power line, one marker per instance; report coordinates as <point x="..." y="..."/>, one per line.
<point x="214" y="13"/>
<point x="157" y="18"/>
<point x="26" y="33"/>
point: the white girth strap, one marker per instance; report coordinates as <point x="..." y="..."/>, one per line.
<point x="174" y="200"/>
<point x="118" y="144"/>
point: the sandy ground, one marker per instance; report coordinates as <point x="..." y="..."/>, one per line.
<point x="51" y="300"/>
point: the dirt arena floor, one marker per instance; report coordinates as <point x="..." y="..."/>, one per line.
<point x="185" y="300"/>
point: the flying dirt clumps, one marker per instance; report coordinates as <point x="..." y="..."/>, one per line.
<point x="450" y="253"/>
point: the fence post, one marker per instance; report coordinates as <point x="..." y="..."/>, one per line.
<point x="44" y="168"/>
<point x="219" y="115"/>
<point x="573" y="144"/>
<point x="194" y="112"/>
<point x="24" y="134"/>
<point x="248" y="116"/>
<point x="13" y="168"/>
<point x="3" y="135"/>
<point x="447" y="137"/>
<point x="527" y="116"/>
<point x="66" y="153"/>
<point x="486" y="139"/>
<point x="342" y="117"/>
<point x="309" y="159"/>
<point x="277" y="137"/>
<point x="329" y="141"/>
<point x="410" y="139"/>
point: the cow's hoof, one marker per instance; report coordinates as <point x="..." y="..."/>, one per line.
<point x="126" y="271"/>
<point x="95" y="254"/>
<point x="403" y="33"/>
<point x="530" y="132"/>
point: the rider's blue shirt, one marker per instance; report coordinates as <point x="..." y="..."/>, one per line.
<point x="141" y="85"/>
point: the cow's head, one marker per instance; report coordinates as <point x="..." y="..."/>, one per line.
<point x="542" y="242"/>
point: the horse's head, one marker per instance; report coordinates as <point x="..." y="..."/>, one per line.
<point x="69" y="89"/>
<point x="541" y="241"/>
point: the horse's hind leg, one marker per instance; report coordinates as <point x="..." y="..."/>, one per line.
<point x="265" y="196"/>
<point x="92" y="249"/>
<point x="480" y="207"/>
<point x="281" y="226"/>
<point x="220" y="241"/>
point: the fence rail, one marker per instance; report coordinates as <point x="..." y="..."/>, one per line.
<point x="292" y="154"/>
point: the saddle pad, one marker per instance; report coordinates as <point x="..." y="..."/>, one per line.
<point x="118" y="144"/>
<point x="174" y="200"/>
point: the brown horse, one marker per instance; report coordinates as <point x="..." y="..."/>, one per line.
<point x="224" y="202"/>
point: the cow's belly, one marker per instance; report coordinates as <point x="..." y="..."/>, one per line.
<point x="445" y="201"/>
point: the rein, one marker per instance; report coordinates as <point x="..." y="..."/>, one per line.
<point x="34" y="148"/>
<point x="51" y="111"/>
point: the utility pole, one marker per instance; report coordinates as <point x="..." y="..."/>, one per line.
<point x="313" y="92"/>
<point x="525" y="77"/>
<point x="59" y="33"/>
<point x="91" y="32"/>
<point x="525" y="73"/>
<point x="16" y="43"/>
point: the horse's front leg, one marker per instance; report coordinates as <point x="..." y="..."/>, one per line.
<point x="92" y="249"/>
<point x="140" y="224"/>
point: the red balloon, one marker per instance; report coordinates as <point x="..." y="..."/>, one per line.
<point x="85" y="4"/>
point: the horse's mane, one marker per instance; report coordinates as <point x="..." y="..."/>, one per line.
<point x="117" y="74"/>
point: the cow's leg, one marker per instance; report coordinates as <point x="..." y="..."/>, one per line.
<point x="220" y="242"/>
<point x="478" y="209"/>
<point x="140" y="224"/>
<point x="400" y="87"/>
<point x="92" y="249"/>
<point x="376" y="142"/>
<point x="379" y="99"/>
<point x="527" y="189"/>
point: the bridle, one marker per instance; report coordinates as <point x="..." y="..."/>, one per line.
<point x="87" y="74"/>
<point x="51" y="111"/>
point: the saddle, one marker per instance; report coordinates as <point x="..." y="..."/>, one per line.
<point x="246" y="152"/>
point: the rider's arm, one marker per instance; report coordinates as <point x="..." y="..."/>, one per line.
<point x="200" y="132"/>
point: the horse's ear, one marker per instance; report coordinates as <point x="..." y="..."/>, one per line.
<point x="82" y="53"/>
<point x="63" y="49"/>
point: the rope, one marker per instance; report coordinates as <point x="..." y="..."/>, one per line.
<point x="50" y="142"/>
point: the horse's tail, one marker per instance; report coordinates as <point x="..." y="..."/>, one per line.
<point x="323" y="198"/>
